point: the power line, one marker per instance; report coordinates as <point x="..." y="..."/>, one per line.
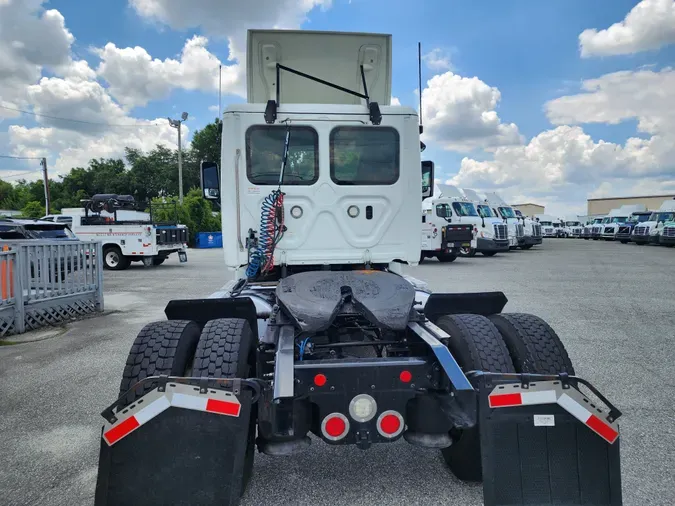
<point x="76" y="120"/>
<point x="20" y="174"/>
<point x="21" y="157"/>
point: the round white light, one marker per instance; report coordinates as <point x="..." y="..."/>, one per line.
<point x="296" y="211"/>
<point x="362" y="408"/>
<point x="353" y="211"/>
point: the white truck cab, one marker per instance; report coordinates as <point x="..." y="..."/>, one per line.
<point x="485" y="236"/>
<point x="443" y="236"/>
<point x="573" y="228"/>
<point x="619" y="217"/>
<point x="587" y="233"/>
<point x="547" y="222"/>
<point x="516" y="230"/>
<point x="532" y="231"/>
<point x="650" y="231"/>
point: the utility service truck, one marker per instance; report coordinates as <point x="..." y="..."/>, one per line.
<point x="441" y="238"/>
<point x="650" y="230"/>
<point x="484" y="232"/>
<point x="128" y="235"/>
<point x="619" y="217"/>
<point x="320" y="332"/>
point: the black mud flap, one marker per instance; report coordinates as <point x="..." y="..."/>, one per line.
<point x="179" y="457"/>
<point x="541" y="454"/>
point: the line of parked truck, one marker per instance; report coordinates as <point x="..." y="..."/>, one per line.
<point x="462" y="223"/>
<point x="635" y="223"/>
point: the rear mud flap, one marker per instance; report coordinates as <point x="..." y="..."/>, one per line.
<point x="537" y="452"/>
<point x="179" y="457"/>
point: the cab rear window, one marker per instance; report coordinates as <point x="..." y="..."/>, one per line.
<point x="364" y="155"/>
<point x="265" y="151"/>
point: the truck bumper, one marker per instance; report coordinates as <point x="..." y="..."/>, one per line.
<point x="492" y="245"/>
<point x="666" y="240"/>
<point x="530" y="240"/>
<point x="623" y="237"/>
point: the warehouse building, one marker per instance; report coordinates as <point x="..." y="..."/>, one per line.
<point x="605" y="205"/>
<point x="529" y="209"/>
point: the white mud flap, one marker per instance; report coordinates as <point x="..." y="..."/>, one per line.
<point x="180" y="446"/>
<point x="544" y="442"/>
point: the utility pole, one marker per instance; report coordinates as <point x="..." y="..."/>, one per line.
<point x="220" y="84"/>
<point x="45" y="178"/>
<point x="177" y="124"/>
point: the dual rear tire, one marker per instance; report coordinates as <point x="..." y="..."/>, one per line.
<point x="504" y="343"/>
<point x="224" y="348"/>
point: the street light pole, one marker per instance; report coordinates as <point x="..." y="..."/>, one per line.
<point x="177" y="124"/>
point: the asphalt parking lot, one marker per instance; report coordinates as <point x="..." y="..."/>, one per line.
<point x="613" y="305"/>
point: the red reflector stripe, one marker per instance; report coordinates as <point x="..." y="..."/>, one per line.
<point x="602" y="428"/>
<point x="501" y="400"/>
<point x="124" y="428"/>
<point x="223" y="407"/>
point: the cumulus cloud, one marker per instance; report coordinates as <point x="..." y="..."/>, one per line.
<point x="437" y="60"/>
<point x="645" y="95"/>
<point x="135" y="78"/>
<point x="459" y="114"/>
<point x="395" y="101"/>
<point x="649" y="25"/>
<point x="229" y="18"/>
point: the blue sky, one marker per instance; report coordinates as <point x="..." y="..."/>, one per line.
<point x="519" y="60"/>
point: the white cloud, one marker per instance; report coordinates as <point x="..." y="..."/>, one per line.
<point x="395" y="101"/>
<point x="229" y="18"/>
<point x="135" y="78"/>
<point x="30" y="39"/>
<point x="459" y="114"/>
<point x="644" y="95"/>
<point x="75" y="149"/>
<point x="649" y="25"/>
<point x="437" y="60"/>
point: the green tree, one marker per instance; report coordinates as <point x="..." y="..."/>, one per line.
<point x="196" y="212"/>
<point x="33" y="209"/>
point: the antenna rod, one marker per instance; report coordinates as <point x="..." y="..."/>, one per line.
<point x="419" y="77"/>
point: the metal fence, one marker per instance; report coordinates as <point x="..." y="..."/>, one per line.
<point x="48" y="282"/>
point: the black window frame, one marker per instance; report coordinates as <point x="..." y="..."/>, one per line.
<point x="364" y="128"/>
<point x="296" y="128"/>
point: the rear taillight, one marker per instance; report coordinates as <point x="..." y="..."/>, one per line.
<point x="390" y="424"/>
<point x="335" y="426"/>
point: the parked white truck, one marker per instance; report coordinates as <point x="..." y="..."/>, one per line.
<point x="573" y="228"/>
<point x="501" y="209"/>
<point x="532" y="231"/>
<point x="547" y="225"/>
<point x="489" y="235"/>
<point x="129" y="236"/>
<point x="650" y="231"/>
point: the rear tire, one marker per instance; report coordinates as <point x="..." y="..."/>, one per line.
<point x="158" y="260"/>
<point x="476" y="345"/>
<point x="534" y="346"/>
<point x="446" y="257"/>
<point x="226" y="350"/>
<point x="163" y="347"/>
<point x="527" y="246"/>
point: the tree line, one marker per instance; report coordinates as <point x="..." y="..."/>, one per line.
<point x="147" y="176"/>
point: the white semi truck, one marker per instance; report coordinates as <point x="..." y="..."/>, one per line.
<point x="573" y="228"/>
<point x="488" y="234"/>
<point x="532" y="231"/>
<point x="548" y="225"/>
<point x="319" y="332"/>
<point x="650" y="231"/>
<point x="501" y="209"/>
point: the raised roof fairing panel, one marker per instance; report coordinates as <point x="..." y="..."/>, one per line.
<point x="332" y="56"/>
